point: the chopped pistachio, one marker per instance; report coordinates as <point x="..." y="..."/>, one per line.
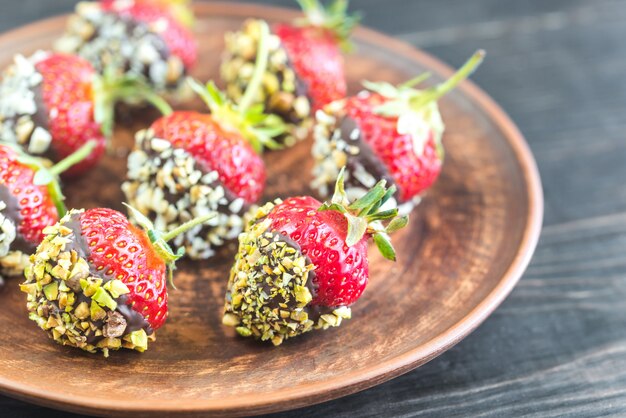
<point x="116" y="288"/>
<point x="96" y="312"/>
<point x="104" y="299"/>
<point x="139" y="339"/>
<point x="303" y="295"/>
<point x="82" y="311"/>
<point x="31" y="288"/>
<point x="230" y="320"/>
<point x="51" y="291"/>
<point x="243" y="331"/>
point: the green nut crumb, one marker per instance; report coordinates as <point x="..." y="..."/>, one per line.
<point x="243" y="331"/>
<point x="104" y="299"/>
<point x="303" y="295"/>
<point x="51" y="291"/>
<point x="139" y="339"/>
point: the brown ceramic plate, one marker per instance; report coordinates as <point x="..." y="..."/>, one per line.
<point x="466" y="247"/>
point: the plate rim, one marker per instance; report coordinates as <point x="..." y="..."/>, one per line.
<point x="370" y="376"/>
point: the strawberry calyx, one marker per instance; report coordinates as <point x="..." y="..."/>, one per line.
<point x="249" y="120"/>
<point x="111" y="87"/>
<point x="49" y="176"/>
<point x="159" y="239"/>
<point x="366" y="215"/>
<point x="334" y="18"/>
<point x="416" y="110"/>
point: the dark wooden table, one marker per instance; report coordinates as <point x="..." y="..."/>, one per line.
<point x="557" y="346"/>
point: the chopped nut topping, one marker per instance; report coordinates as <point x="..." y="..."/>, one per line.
<point x="166" y="183"/>
<point x="19" y="85"/>
<point x="268" y="294"/>
<point x="109" y="40"/>
<point x="70" y="302"/>
<point x="281" y="92"/>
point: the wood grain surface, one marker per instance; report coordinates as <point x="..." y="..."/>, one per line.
<point x="556" y="347"/>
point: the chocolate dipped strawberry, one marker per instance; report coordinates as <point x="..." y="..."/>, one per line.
<point x="190" y="163"/>
<point x="30" y="200"/>
<point x="97" y="282"/>
<point x="52" y="104"/>
<point x="306" y="68"/>
<point x="385" y="132"/>
<point x="147" y="38"/>
<point x="301" y="264"/>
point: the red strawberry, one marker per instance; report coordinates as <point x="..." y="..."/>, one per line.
<point x="142" y="37"/>
<point x="190" y="163"/>
<point x="306" y="69"/>
<point x="52" y="104"/>
<point x="301" y="263"/>
<point x="216" y="147"/>
<point x="98" y="282"/>
<point x="391" y="133"/>
<point x="68" y="98"/>
<point x="30" y="200"/>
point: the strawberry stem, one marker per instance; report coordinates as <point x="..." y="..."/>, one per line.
<point x="415" y="81"/>
<point x="72" y="159"/>
<point x="112" y="87"/>
<point x="159" y="239"/>
<point x="56" y="194"/>
<point x="186" y="227"/>
<point x="260" y="66"/>
<point x="247" y="117"/>
<point x="462" y="73"/>
<point x="49" y="177"/>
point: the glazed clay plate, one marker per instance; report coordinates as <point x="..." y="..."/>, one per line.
<point x="466" y="246"/>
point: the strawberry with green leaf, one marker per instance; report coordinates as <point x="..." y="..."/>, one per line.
<point x="385" y="132"/>
<point x="52" y="104"/>
<point x="98" y="283"/>
<point x="306" y="68"/>
<point x="301" y="264"/>
<point x="30" y="200"/>
<point x="188" y="164"/>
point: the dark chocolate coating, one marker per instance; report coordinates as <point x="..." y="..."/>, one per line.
<point x="134" y="320"/>
<point x="12" y="212"/>
<point x="366" y="156"/>
<point x="313" y="311"/>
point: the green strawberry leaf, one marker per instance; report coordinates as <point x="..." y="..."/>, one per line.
<point x="43" y="177"/>
<point x="142" y="221"/>
<point x="383" y="242"/>
<point x="397" y="224"/>
<point x="339" y="196"/>
<point x="386" y="214"/>
<point x="356" y="229"/>
<point x="383" y="88"/>
<point x="364" y="215"/>
<point x="388" y="195"/>
<point x="370" y="198"/>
